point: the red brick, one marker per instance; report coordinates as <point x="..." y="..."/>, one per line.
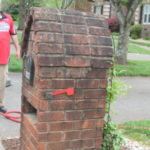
<point x="78" y="50"/>
<point x="74" y="115"/>
<point x="86" y="104"/>
<point x="49" y="38"/>
<point x="62" y="84"/>
<point x="50" y="116"/>
<point x="73" y="19"/>
<point x="59" y="145"/>
<point x="68" y="28"/>
<point x="31" y="128"/>
<point x="61" y="126"/>
<point x="84" y="83"/>
<point x="88" y="143"/>
<point x="97" y="40"/>
<point x="102" y="104"/>
<point x="55" y="136"/>
<point x="96" y="73"/>
<point x="93" y="114"/>
<point x="46" y="72"/>
<point x="62" y="105"/>
<point x="95" y="22"/>
<point x="76" y="39"/>
<point x="95" y="93"/>
<point x="42" y="25"/>
<point x="50" y="61"/>
<point x="42" y="146"/>
<point x="42" y="127"/>
<point x="72" y="135"/>
<point x="86" y="134"/>
<point x="100" y="123"/>
<point x="76" y="62"/>
<point x="103" y="83"/>
<point x="43" y="105"/>
<point x="98" y="142"/>
<point x="48" y="16"/>
<point x="42" y="137"/>
<point x="77" y="144"/>
<point x="76" y="73"/>
<point x="44" y="37"/>
<point x="99" y="31"/>
<point x="46" y="48"/>
<point x="102" y="51"/>
<point x="41" y="83"/>
<point x="86" y="124"/>
<point x="101" y="63"/>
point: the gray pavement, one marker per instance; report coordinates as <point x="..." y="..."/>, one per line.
<point x="13" y="102"/>
<point x="136" y="104"/>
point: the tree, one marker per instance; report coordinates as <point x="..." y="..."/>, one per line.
<point x="125" y="10"/>
<point x="63" y="4"/>
<point x="24" y="7"/>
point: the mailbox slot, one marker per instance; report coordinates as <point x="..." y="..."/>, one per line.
<point x="29" y="69"/>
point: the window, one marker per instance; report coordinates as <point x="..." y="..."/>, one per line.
<point x="98" y="10"/>
<point x="146" y="14"/>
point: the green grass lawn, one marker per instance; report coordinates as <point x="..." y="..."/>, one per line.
<point x="140" y="43"/>
<point x="138" y="50"/>
<point x="140" y="135"/>
<point x="134" y="68"/>
<point x="14" y="64"/>
<point x="132" y="48"/>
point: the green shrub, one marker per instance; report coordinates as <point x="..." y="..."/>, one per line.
<point x="136" y="31"/>
<point x="134" y="36"/>
<point x="146" y="38"/>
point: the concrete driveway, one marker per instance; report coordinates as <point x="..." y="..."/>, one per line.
<point x="136" y="104"/>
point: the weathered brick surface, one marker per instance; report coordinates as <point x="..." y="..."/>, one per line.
<point x="69" y="49"/>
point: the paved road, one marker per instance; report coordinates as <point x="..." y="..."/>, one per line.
<point x="136" y="104"/>
<point x="13" y="102"/>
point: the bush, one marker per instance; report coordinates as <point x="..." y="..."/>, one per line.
<point x="146" y="38"/>
<point x="113" y="24"/>
<point x="136" y="31"/>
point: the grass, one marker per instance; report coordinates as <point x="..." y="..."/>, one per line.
<point x="115" y="36"/>
<point x="140" y="43"/>
<point x="140" y="135"/>
<point x="132" y="48"/>
<point x="134" y="68"/>
<point x="14" y="64"/>
<point x="138" y="50"/>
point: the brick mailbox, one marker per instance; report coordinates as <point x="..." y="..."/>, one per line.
<point x="61" y="50"/>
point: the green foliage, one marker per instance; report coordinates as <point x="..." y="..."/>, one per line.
<point x="14" y="64"/>
<point x="115" y="88"/>
<point x="11" y="7"/>
<point x="136" y="31"/>
<point x="146" y="38"/>
<point x="60" y="4"/>
<point x="113" y="139"/>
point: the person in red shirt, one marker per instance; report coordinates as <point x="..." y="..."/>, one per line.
<point x="7" y="30"/>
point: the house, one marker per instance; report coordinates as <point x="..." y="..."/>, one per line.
<point x="142" y="14"/>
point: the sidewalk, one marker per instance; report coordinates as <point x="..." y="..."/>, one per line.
<point x="13" y="102"/>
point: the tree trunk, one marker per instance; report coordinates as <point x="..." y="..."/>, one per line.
<point x="22" y="14"/>
<point x="122" y="48"/>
